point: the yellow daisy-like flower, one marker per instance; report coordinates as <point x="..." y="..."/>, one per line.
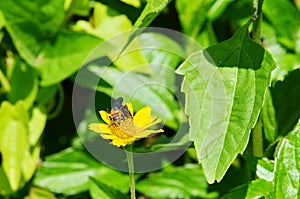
<point x="122" y="127"/>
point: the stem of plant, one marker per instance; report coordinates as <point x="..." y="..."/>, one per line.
<point x="257" y="135"/>
<point x="130" y="162"/>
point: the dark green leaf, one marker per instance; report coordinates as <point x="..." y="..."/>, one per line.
<point x="101" y="190"/>
<point x="178" y="182"/>
<point x="287" y="169"/>
<point x="225" y="87"/>
<point x="68" y="172"/>
<point x="255" y="189"/>
<point x="23" y="82"/>
<point x="152" y="9"/>
<point x="30" y="22"/>
<point x="286" y="95"/>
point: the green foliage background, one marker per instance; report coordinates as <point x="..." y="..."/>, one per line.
<point x="257" y="154"/>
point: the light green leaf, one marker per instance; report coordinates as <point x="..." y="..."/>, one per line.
<point x="30" y="22"/>
<point x="36" y="125"/>
<point x="152" y="9"/>
<point x="37" y="193"/>
<point x="255" y="189"/>
<point x="4" y="183"/>
<point x="287" y="169"/>
<point x="101" y="190"/>
<point x="263" y="168"/>
<point x="269" y="118"/>
<point x="68" y="172"/>
<point x="177" y="182"/>
<point x="63" y="58"/>
<point x="13" y="143"/>
<point x="125" y="84"/>
<point x="225" y="88"/>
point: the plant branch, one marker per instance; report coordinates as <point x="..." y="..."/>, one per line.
<point x="257" y="135"/>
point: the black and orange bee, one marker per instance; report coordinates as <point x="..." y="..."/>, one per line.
<point x="119" y="112"/>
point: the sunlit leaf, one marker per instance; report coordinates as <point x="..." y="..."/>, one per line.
<point x="225" y="87"/>
<point x="287" y="169"/>
<point x="152" y="9"/>
<point x="68" y="172"/>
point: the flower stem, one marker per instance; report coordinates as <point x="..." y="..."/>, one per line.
<point x="257" y="135"/>
<point x="131" y="170"/>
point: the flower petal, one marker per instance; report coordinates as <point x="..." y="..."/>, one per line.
<point x="143" y="117"/>
<point x="130" y="108"/>
<point x="95" y="127"/>
<point x="146" y="133"/>
<point x="105" y="117"/>
<point x="104" y="128"/>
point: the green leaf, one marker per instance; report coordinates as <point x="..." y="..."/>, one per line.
<point x="23" y="82"/>
<point x="177" y="182"/>
<point x="163" y="62"/>
<point x="30" y="22"/>
<point x="37" y="193"/>
<point x="125" y="85"/>
<point x="286" y="95"/>
<point x="255" y="189"/>
<point x="288" y="25"/>
<point x="101" y="190"/>
<point x="287" y="170"/>
<point x="269" y="118"/>
<point x="14" y="142"/>
<point x="68" y="172"/>
<point x="151" y="10"/>
<point x="263" y="168"/>
<point x="4" y="183"/>
<point x="36" y="125"/>
<point x="63" y="58"/>
<point x="225" y="88"/>
<point x="192" y="15"/>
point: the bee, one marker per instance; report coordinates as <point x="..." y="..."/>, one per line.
<point x="119" y="112"/>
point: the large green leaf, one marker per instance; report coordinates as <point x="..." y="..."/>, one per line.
<point x="29" y="23"/>
<point x="287" y="166"/>
<point x="177" y="182"/>
<point x="62" y="58"/>
<point x="152" y="9"/>
<point x="68" y="172"/>
<point x="225" y="87"/>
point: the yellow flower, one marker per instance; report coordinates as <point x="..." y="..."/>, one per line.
<point x="122" y="127"/>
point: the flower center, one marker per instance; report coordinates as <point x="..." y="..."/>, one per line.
<point x="123" y="128"/>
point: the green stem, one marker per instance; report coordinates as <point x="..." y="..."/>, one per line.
<point x="4" y="81"/>
<point x="257" y="135"/>
<point x="131" y="170"/>
<point x="257" y="17"/>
